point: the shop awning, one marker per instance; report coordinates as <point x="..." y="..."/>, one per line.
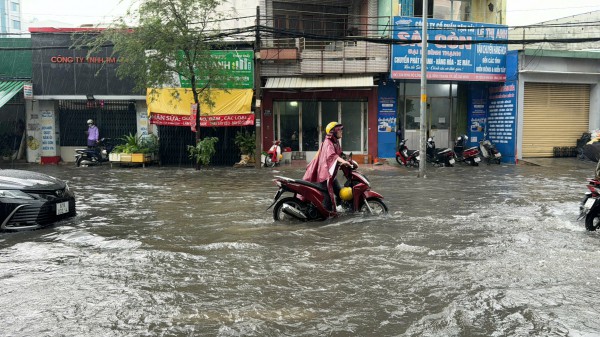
<point x="319" y="82"/>
<point x="232" y="108"/>
<point x="8" y="89"/>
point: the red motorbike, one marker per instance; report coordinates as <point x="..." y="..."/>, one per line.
<point x="407" y="157"/>
<point x="308" y="200"/>
<point x="468" y="156"/>
<point x="273" y="156"/>
<point x="589" y="208"/>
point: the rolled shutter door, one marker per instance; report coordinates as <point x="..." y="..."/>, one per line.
<point x="555" y="115"/>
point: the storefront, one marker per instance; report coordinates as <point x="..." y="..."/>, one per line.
<point x="559" y="100"/>
<point x="296" y="111"/>
<point x="461" y="78"/>
<point x="173" y="111"/>
<point x="15" y="93"/>
<point x="68" y="89"/>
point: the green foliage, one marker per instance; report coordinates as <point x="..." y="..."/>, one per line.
<point x="246" y="141"/>
<point x="162" y="38"/>
<point x="203" y="152"/>
<point x="137" y="144"/>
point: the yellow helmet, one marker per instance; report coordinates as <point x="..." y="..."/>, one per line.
<point x="330" y="126"/>
<point x="346" y="193"/>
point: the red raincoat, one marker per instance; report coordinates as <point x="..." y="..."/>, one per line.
<point x="324" y="166"/>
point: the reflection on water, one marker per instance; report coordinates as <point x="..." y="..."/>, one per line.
<point x="469" y="251"/>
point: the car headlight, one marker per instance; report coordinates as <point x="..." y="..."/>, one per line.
<point x="14" y="194"/>
<point x="68" y="191"/>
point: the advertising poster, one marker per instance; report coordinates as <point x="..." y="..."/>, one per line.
<point x="502" y="118"/>
<point x="48" y="134"/>
<point x="477" y="114"/>
<point x="386" y="119"/>
<point x="460" y="62"/>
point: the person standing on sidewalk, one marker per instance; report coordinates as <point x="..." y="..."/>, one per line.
<point x="92" y="134"/>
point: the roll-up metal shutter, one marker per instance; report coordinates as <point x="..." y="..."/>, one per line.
<point x="555" y="115"/>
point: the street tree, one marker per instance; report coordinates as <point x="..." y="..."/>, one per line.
<point x="161" y="43"/>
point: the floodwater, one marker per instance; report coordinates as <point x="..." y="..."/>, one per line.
<point x="161" y="251"/>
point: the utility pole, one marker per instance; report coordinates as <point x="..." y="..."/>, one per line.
<point x="257" y="91"/>
<point x="423" y="130"/>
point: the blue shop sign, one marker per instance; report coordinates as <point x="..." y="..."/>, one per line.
<point x="465" y="62"/>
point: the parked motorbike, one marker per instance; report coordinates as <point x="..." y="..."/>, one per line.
<point x="407" y="157"/>
<point x="274" y="155"/>
<point x="94" y="156"/>
<point x="489" y="152"/>
<point x="589" y="208"/>
<point x="308" y="200"/>
<point x="439" y="157"/>
<point x="466" y="155"/>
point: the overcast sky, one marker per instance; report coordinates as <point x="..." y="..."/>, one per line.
<point x="77" y="12"/>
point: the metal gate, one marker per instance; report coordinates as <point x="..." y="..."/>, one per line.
<point x="174" y="141"/>
<point x="555" y="115"/>
<point x="114" y="119"/>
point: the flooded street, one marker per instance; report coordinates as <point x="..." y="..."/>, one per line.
<point x="163" y="251"/>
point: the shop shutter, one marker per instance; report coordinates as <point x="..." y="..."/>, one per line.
<point x="555" y="115"/>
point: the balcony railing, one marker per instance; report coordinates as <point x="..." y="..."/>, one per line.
<point x="285" y="57"/>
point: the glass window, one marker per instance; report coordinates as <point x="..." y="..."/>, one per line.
<point x="14" y="6"/>
<point x="412" y="107"/>
<point x="16" y="24"/>
<point x="329" y="113"/>
<point x="297" y="123"/>
<point x="353" y="126"/>
<point x="440" y="113"/>
<point x="288" y="128"/>
<point x="310" y="126"/>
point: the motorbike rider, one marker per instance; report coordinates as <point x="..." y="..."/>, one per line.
<point x="275" y="149"/>
<point x="325" y="165"/>
<point x="92" y="134"/>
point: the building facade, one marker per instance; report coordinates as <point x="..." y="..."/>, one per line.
<point x="323" y="62"/>
<point x="68" y="89"/>
<point x="10" y="17"/>
<point x="558" y="85"/>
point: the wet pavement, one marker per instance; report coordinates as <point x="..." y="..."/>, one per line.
<point x="163" y="251"/>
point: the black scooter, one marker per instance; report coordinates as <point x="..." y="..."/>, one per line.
<point x="96" y="155"/>
<point x="439" y="157"/>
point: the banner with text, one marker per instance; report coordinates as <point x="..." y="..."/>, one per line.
<point x="231" y="108"/>
<point x="478" y="61"/>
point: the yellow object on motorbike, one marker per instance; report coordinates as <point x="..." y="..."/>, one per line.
<point x="346" y="193"/>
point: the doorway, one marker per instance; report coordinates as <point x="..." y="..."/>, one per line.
<point x="440" y="112"/>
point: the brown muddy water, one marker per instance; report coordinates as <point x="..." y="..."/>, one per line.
<point x="163" y="251"/>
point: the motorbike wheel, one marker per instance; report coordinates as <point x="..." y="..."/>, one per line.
<point x="413" y="162"/>
<point x="592" y="220"/>
<point x="377" y="206"/>
<point x="269" y="162"/>
<point x="280" y="215"/>
<point x="399" y="161"/>
<point x="78" y="161"/>
<point x="472" y="162"/>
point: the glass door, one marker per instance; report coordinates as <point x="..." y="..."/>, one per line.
<point x="439" y="120"/>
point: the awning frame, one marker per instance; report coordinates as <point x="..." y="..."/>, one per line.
<point x="8" y="89"/>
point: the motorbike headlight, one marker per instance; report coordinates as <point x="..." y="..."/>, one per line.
<point x="14" y="194"/>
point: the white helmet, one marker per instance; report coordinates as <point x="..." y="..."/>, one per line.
<point x="90" y="121"/>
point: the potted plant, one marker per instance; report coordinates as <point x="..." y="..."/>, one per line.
<point x="203" y="152"/>
<point x="246" y="142"/>
<point x="137" y="149"/>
